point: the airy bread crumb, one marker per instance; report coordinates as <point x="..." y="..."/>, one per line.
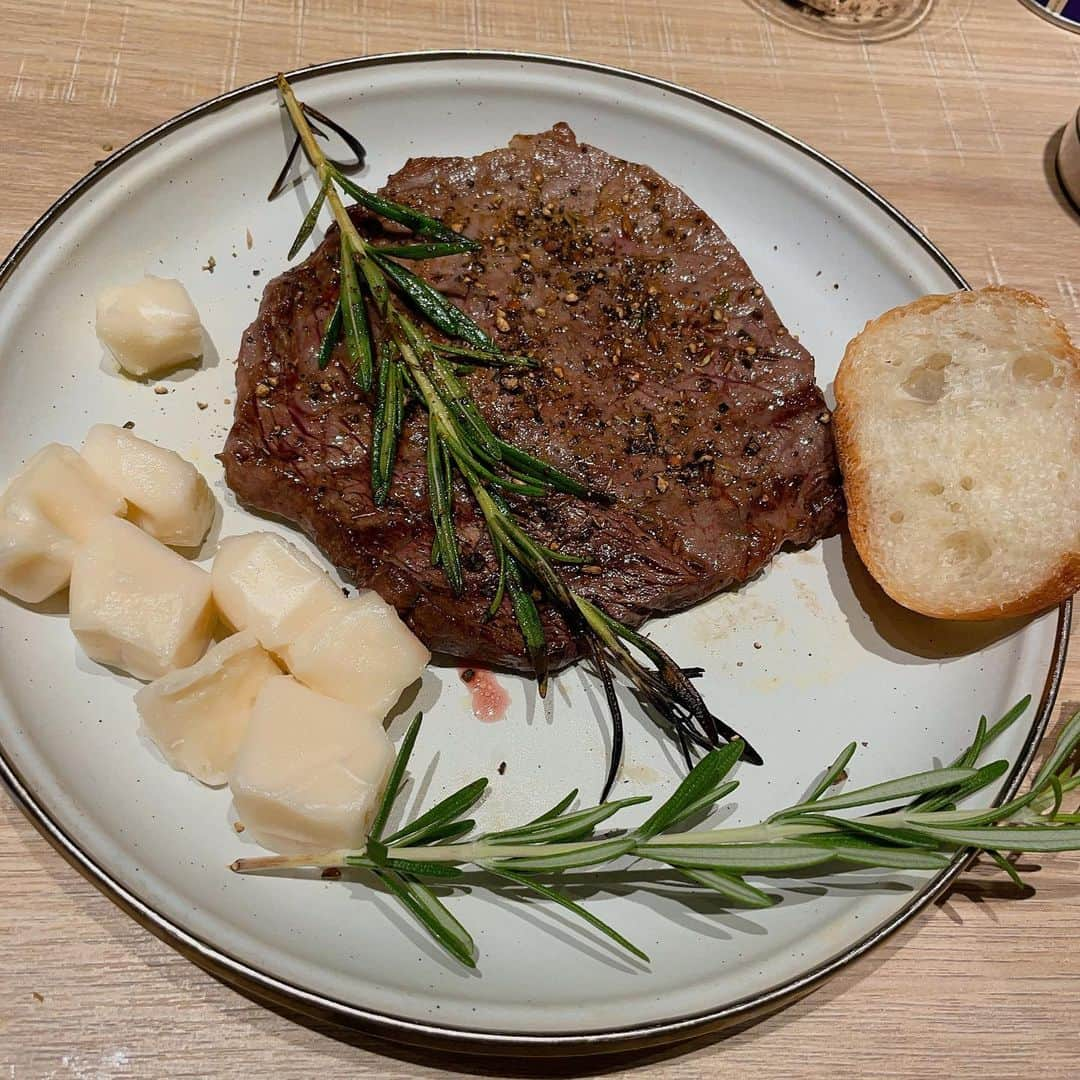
<point x="958" y="431"/>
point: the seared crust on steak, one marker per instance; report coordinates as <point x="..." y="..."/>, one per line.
<point x="666" y="378"/>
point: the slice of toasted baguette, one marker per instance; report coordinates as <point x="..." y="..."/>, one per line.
<point x="958" y="431"/>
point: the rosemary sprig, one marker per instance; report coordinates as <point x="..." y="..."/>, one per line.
<point x="462" y="446"/>
<point x="903" y="835"/>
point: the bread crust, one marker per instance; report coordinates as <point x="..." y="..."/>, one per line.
<point x="1054" y="588"/>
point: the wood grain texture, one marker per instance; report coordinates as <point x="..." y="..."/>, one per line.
<point x="955" y="124"/>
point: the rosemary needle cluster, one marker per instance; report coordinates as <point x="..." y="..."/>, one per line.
<point x="408" y="365"/>
<point x="917" y="826"/>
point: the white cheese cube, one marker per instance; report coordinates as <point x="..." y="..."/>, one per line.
<point x="44" y="512"/>
<point x="167" y="496"/>
<point x="35" y="560"/>
<point x="136" y="605"/>
<point x="359" y="651"/>
<point x="309" y="771"/>
<point x="264" y="584"/>
<point x="150" y="326"/>
<point x="60" y="488"/>
<point x="198" y="716"/>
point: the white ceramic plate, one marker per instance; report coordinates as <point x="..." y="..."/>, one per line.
<point x="803" y="659"/>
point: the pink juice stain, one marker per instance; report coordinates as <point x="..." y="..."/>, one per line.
<point x="489" y="699"/>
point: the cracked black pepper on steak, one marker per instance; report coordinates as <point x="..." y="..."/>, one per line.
<point x="666" y="378"/>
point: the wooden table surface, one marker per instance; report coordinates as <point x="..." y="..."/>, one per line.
<point x="955" y="124"/>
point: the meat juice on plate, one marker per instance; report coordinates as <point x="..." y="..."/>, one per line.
<point x="490" y="699"/>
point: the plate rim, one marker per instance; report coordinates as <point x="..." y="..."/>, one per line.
<point x="251" y="979"/>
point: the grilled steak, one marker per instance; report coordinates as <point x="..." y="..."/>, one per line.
<point x="666" y="379"/>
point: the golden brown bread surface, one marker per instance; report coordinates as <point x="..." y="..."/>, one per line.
<point x="958" y="432"/>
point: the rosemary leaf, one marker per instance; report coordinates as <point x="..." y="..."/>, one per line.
<point x="382" y="419"/>
<point x="564" y="557"/>
<point x="403" y="215"/>
<point x="1066" y="781"/>
<point x="308" y="224"/>
<point x="603" y="669"/>
<point x="729" y="886"/>
<point x="331" y="336"/>
<point x="1067" y="743"/>
<point x="848" y="849"/>
<point x="1059" y="795"/>
<point x="513" y="486"/>
<point x="434" y="250"/>
<point x="983" y="738"/>
<point x="441" y="498"/>
<point x="490" y="359"/>
<point x="395" y="779"/>
<point x="432" y="305"/>
<point x="702" y="781"/>
<point x="1004" y="838"/>
<point x="667" y="689"/>
<point x="556" y="810"/>
<point x="279" y="182"/>
<point x="709" y="799"/>
<point x="459" y="402"/>
<point x="453" y="806"/>
<point x="832" y="773"/>
<point x="377" y="284"/>
<point x="1003" y="864"/>
<point x="970" y="758"/>
<point x="528" y="620"/>
<point x="564" y="901"/>
<point x="969" y="818"/>
<point x="916" y="784"/>
<point x="949" y="798"/>
<point x="863" y="830"/>
<point x="566" y="826"/>
<point x="1008" y="719"/>
<point x="528" y="465"/>
<point x="423" y="868"/>
<point x="741" y="858"/>
<point x="432" y="914"/>
<point x="500" y="586"/>
<point x="588" y="854"/>
<point x="346" y="136"/>
<point x="357" y="331"/>
<point x="445" y="834"/>
<point x="386" y="424"/>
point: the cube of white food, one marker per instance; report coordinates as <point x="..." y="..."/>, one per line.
<point x="44" y="512"/>
<point x="59" y="487"/>
<point x="309" y="771"/>
<point x="167" y="496"/>
<point x="264" y="584"/>
<point x="360" y="652"/>
<point x="136" y="605"/>
<point x="198" y="716"/>
<point x="35" y="559"/>
<point x="150" y="326"/>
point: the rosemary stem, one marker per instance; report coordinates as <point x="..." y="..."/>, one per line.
<point x="745" y="834"/>
<point x="479" y="851"/>
<point x="291" y="862"/>
<point x="320" y="164"/>
<point x="303" y="128"/>
<point x="489" y="466"/>
<point x="923" y="834"/>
